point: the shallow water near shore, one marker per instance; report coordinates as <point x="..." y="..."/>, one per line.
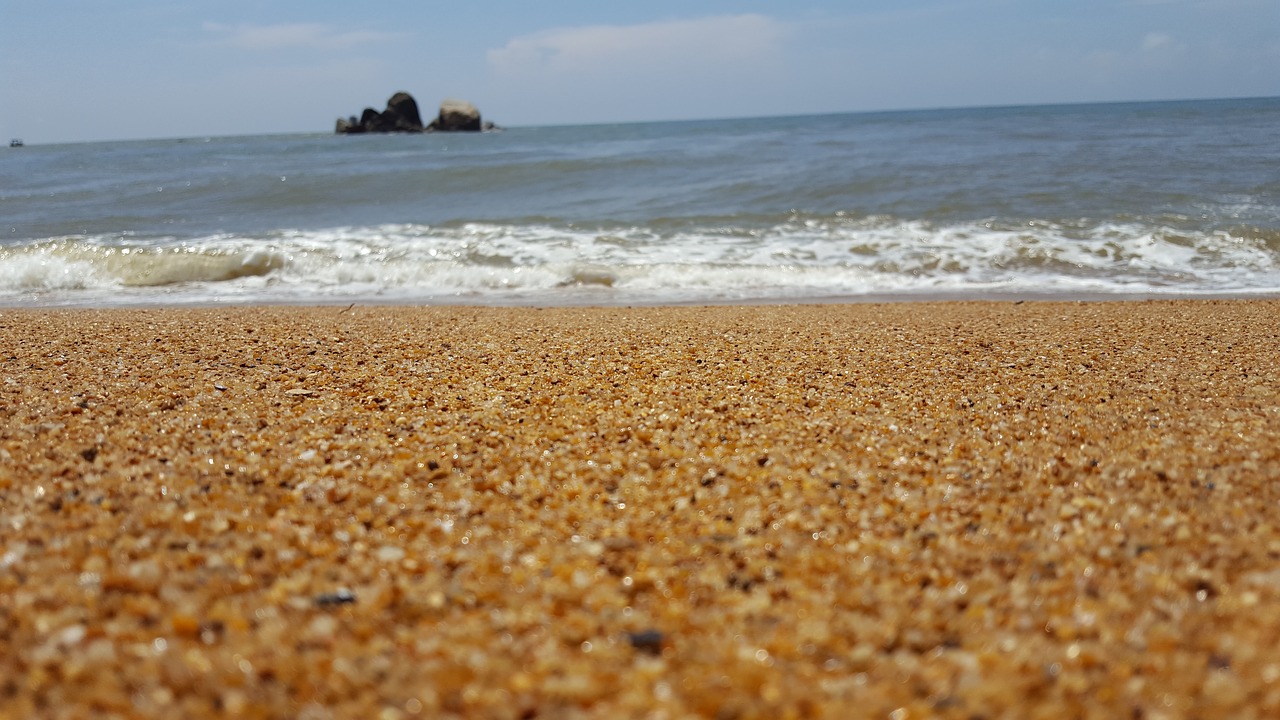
<point x="1118" y="200"/>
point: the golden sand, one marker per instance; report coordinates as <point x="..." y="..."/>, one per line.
<point x="971" y="510"/>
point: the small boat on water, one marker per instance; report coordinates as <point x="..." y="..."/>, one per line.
<point x="16" y="142"/>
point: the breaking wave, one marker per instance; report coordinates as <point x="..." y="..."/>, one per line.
<point x="677" y="260"/>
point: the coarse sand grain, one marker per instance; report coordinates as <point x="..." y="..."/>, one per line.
<point x="970" y="510"/>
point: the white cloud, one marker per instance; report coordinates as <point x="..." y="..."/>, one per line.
<point x="1156" y="40"/>
<point x="689" y="44"/>
<point x="293" y="35"/>
<point x="729" y="65"/>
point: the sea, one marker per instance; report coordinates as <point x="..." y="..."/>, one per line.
<point x="1132" y="200"/>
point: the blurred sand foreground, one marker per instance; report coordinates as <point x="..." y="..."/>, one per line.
<point x="971" y="510"/>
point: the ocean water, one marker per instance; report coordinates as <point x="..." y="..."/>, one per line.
<point x="1115" y="200"/>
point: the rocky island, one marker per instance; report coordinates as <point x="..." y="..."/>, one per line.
<point x="401" y="115"/>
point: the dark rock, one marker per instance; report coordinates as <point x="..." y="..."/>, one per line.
<point x="402" y="110"/>
<point x="649" y="641"/>
<point x="401" y="115"/>
<point x="370" y="118"/>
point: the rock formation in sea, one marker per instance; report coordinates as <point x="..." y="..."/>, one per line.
<point x="402" y="115"/>
<point x="457" y="115"/>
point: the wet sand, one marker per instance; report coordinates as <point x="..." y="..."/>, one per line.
<point x="961" y="510"/>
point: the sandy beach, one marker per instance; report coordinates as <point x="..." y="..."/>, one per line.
<point x="970" y="510"/>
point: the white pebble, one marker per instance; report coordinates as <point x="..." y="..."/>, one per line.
<point x="390" y="553"/>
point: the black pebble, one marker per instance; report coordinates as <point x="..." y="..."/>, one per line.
<point x="341" y="597"/>
<point x="649" y="641"/>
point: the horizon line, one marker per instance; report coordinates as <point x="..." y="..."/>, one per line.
<point x="724" y="118"/>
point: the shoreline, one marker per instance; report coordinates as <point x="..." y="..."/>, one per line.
<point x="588" y="299"/>
<point x="950" y="509"/>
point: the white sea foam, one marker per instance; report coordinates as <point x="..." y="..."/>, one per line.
<point x="793" y="258"/>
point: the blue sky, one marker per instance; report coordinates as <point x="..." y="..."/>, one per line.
<point x="74" y="70"/>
